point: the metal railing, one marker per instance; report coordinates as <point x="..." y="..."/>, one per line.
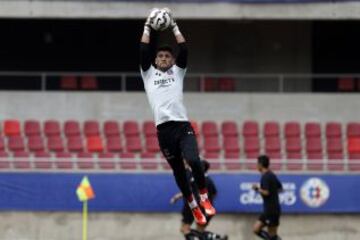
<point x="199" y="82"/>
<point x="33" y="164"/>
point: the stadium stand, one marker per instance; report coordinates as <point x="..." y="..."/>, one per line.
<point x="109" y="145"/>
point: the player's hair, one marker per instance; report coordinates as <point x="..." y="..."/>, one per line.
<point x="264" y="161"/>
<point x="166" y="48"/>
<point x="205" y="165"/>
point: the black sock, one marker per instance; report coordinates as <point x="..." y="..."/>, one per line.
<point x="264" y="235"/>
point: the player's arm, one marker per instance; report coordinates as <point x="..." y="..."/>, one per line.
<point x="176" y="197"/>
<point x="145" y="53"/>
<point x="181" y="60"/>
<point x="260" y="190"/>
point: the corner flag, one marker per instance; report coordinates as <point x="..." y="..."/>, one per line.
<point x="84" y="190"/>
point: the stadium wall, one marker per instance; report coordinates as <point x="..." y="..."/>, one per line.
<point x="124" y="226"/>
<point x="215" y="106"/>
<point x="194" y="10"/>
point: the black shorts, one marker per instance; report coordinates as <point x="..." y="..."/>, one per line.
<point x="270" y="220"/>
<point x="177" y="140"/>
<point x="188" y="218"/>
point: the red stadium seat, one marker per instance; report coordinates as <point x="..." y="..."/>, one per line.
<point x="333" y="130"/>
<point x="75" y="144"/>
<point x="209" y="128"/>
<point x="232" y="161"/>
<point x="336" y="162"/>
<point x="106" y="160"/>
<point x="2" y="144"/>
<point x="273" y="150"/>
<point x="32" y="128"/>
<point x="149" y="129"/>
<point x="271" y="129"/>
<point x="353" y="129"/>
<point x="294" y="161"/>
<point x="91" y="128"/>
<point x="229" y="128"/>
<point x="314" y="152"/>
<point x="12" y="127"/>
<point x="72" y="128"/>
<point x="64" y="160"/>
<point x="312" y="130"/>
<point x="334" y="148"/>
<point x="128" y="160"/>
<point x="211" y="144"/>
<point x="210" y="84"/>
<point x="111" y="128"/>
<point x="252" y="151"/>
<point x="88" y="82"/>
<point x="133" y="144"/>
<point x="94" y="144"/>
<point x="293" y="154"/>
<point x="148" y="161"/>
<point x="68" y="82"/>
<point x="226" y="84"/>
<point x="85" y="160"/>
<point x="52" y="128"/>
<point x="43" y="160"/>
<point x="292" y="130"/>
<point x="354" y="161"/>
<point x="55" y="144"/>
<point x="21" y="160"/>
<point x="114" y="144"/>
<point x="4" y="160"/>
<point x="346" y="84"/>
<point x="36" y="144"/>
<point x="16" y="144"/>
<point x="131" y="128"/>
<point x="354" y="145"/>
<point x="152" y="144"/>
<point x="231" y="144"/>
<point x="250" y="129"/>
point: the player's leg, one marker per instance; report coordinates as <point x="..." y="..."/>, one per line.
<point x="168" y="140"/>
<point x="190" y="152"/>
<point x="186" y="221"/>
<point x="273" y="226"/>
<point x="272" y="230"/>
<point x="258" y="227"/>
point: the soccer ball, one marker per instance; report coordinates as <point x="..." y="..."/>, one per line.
<point x="160" y="20"/>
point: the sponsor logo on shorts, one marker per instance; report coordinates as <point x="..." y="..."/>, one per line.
<point x="314" y="192"/>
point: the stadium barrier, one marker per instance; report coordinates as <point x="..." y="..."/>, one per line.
<point x="149" y="192"/>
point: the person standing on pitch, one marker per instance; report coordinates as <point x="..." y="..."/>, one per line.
<point x="163" y="84"/>
<point x="187" y="218"/>
<point x="269" y="189"/>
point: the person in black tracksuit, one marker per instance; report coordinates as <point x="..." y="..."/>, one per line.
<point x="187" y="217"/>
<point x="163" y="83"/>
<point x="269" y="188"/>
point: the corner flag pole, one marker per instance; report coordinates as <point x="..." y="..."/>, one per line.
<point x="85" y="193"/>
<point x="84" y="222"/>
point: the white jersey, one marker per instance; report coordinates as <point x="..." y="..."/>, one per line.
<point x="165" y="93"/>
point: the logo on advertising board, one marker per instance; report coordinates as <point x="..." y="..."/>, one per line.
<point x="248" y="196"/>
<point x="314" y="192"/>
